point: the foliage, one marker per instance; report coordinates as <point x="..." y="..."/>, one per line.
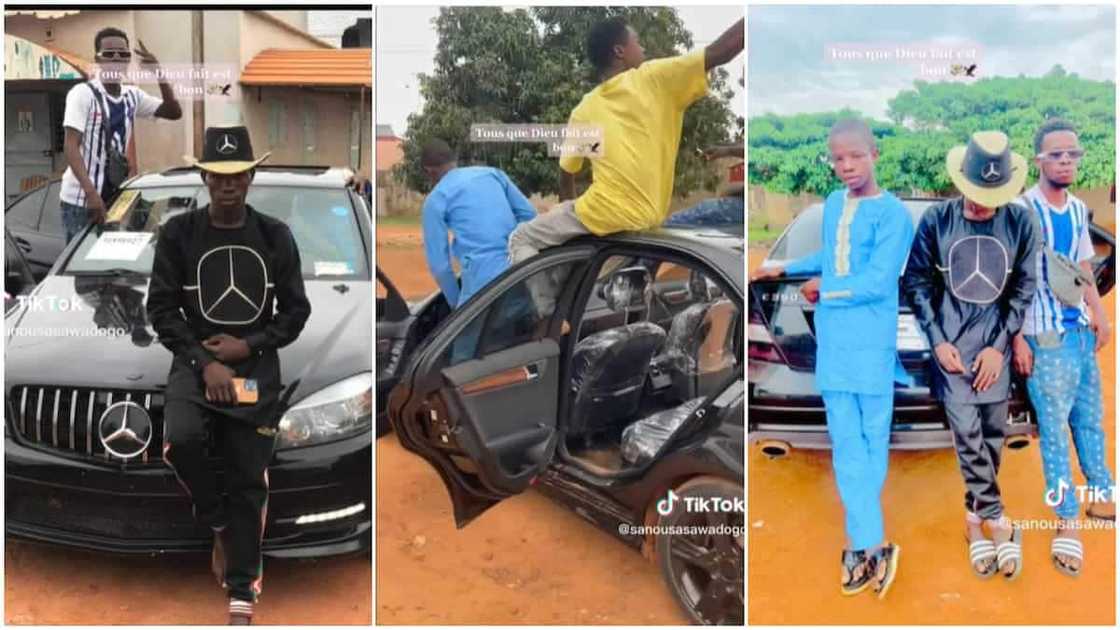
<point x="529" y="66"/>
<point x="787" y="153"/>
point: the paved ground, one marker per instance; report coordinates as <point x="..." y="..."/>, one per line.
<point x="796" y="536"/>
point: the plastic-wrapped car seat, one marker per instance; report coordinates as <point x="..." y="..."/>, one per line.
<point x="642" y="440"/>
<point x="609" y="368"/>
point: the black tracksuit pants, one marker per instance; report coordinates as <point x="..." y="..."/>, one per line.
<point x="246" y="454"/>
<point x="978" y="431"/>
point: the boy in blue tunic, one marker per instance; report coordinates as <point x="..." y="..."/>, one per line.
<point x="480" y="206"/>
<point x="865" y="236"/>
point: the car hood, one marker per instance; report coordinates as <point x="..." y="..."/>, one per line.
<point x="93" y="332"/>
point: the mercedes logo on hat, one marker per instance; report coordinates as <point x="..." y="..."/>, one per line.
<point x="978" y="269"/>
<point x="125" y="429"/>
<point x="232" y="285"/>
<point x="228" y="145"/>
<point x="990" y="172"/>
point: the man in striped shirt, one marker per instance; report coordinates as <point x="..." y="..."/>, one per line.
<point x="85" y="186"/>
<point x="1056" y="346"/>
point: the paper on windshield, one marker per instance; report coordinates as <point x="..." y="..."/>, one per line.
<point x="332" y="268"/>
<point x="119" y="246"/>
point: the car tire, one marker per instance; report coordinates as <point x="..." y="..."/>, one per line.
<point x="705" y="572"/>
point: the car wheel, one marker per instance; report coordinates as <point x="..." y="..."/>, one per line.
<point x="704" y="570"/>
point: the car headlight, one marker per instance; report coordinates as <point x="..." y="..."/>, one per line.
<point x="335" y="412"/>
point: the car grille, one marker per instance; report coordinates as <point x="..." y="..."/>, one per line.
<point x="65" y="419"/>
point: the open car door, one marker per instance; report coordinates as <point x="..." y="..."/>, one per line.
<point x="401" y="327"/>
<point x="480" y="401"/>
<point x="394" y="319"/>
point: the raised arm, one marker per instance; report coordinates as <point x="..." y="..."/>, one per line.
<point x="726" y="47"/>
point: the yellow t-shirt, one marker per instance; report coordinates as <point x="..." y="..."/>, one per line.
<point x="640" y="112"/>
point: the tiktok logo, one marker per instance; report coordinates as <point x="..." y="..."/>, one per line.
<point x="1055" y="497"/>
<point x="665" y="506"/>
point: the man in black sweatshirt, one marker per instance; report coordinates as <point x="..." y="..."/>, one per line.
<point x="226" y="293"/>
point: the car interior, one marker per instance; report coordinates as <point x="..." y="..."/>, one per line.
<point x="678" y="327"/>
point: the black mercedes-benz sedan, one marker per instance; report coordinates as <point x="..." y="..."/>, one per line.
<point x="606" y="373"/>
<point x="786" y="410"/>
<point x="79" y="346"/>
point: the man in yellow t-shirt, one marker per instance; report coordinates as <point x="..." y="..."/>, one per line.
<point x="639" y="107"/>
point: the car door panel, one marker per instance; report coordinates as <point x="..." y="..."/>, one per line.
<point x="488" y="424"/>
<point x="509" y="448"/>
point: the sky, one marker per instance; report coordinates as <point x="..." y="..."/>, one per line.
<point x="328" y="25"/>
<point x="405" y="44"/>
<point x="805" y="59"/>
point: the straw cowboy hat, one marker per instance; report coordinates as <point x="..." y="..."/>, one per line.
<point x="227" y="151"/>
<point x="986" y="171"/>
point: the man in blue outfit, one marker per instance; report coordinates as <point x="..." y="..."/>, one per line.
<point x="865" y="236"/>
<point x="1056" y="348"/>
<point x="480" y="206"/>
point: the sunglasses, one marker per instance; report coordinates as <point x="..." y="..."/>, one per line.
<point x="122" y="55"/>
<point x="1072" y="154"/>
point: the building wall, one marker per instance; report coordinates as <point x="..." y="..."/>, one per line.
<point x="306" y="126"/>
<point x="389" y="153"/>
<point x="159" y="143"/>
<point x="230" y="38"/>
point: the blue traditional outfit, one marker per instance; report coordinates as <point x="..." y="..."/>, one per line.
<point x="865" y="243"/>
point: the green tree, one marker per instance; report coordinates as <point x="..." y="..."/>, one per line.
<point x="498" y="66"/>
<point x="787" y="153"/>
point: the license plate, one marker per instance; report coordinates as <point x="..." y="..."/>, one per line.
<point x="910" y="335"/>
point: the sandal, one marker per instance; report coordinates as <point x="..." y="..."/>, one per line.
<point x="1012" y="551"/>
<point x="887" y="556"/>
<point x="1070" y="547"/>
<point x="980" y="551"/>
<point x="1100" y="517"/>
<point x="851" y="561"/>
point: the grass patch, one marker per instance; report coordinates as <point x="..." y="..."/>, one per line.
<point x="761" y="235"/>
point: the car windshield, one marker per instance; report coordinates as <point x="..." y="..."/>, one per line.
<point x="804" y="235"/>
<point x="322" y="221"/>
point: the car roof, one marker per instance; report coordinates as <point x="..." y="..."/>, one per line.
<point x="725" y="249"/>
<point x="268" y="175"/>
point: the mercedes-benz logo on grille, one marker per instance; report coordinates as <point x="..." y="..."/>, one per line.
<point x="125" y="429"/>
<point x="232" y="285"/>
<point x="228" y="145"/>
<point x="989" y="173"/>
<point x="978" y="269"/>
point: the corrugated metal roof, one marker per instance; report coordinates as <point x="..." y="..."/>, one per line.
<point x="329" y="67"/>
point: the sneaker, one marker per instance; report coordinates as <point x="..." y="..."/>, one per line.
<point x="240" y="612"/>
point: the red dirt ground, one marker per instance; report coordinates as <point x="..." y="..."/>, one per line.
<point x="796" y="535"/>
